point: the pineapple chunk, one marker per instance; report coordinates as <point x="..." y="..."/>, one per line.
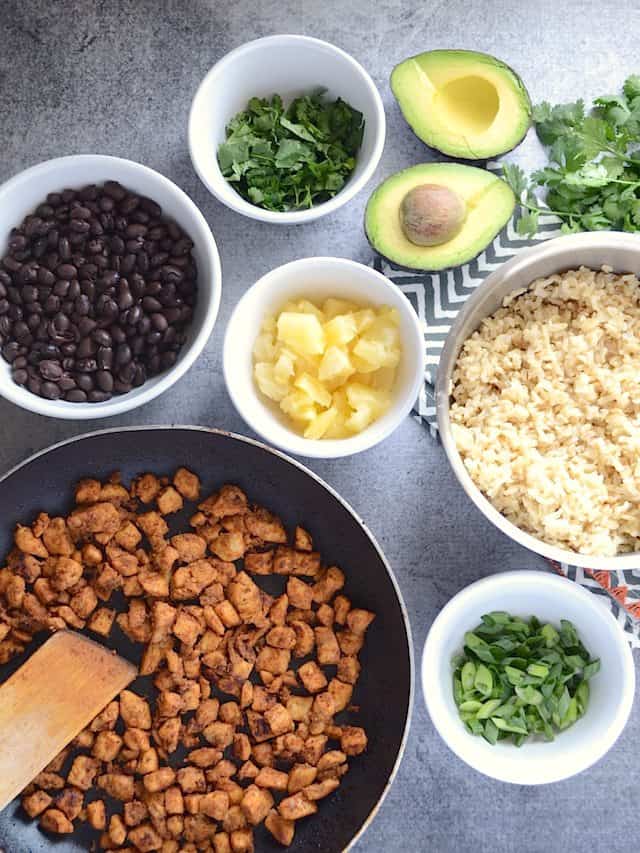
<point x="360" y="419"/>
<point x="264" y="349"/>
<point x="332" y="307"/>
<point x="383" y="379"/>
<point x="373" y="355"/>
<point x="383" y="331"/>
<point x="331" y="369"/>
<point x="340" y="330"/>
<point x="284" y="367"/>
<point x="303" y="333"/>
<point x="298" y="405"/>
<point x="321" y="424"/>
<point x="364" y="319"/>
<point x="335" y="366"/>
<point x="267" y="382"/>
<point x="364" y="396"/>
<point x="314" y="389"/>
<point x="306" y="307"/>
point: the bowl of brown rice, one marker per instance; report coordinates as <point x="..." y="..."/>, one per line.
<point x="538" y="399"/>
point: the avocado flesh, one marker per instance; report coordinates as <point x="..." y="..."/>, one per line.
<point x="489" y="200"/>
<point x="466" y="104"/>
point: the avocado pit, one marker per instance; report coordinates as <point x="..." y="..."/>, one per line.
<point x="432" y="214"/>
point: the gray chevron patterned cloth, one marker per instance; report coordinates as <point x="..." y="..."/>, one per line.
<point x="437" y="298"/>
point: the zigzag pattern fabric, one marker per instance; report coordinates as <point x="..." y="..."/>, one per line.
<point x="437" y="298"/>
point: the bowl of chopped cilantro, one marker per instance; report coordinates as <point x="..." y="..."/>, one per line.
<point x="286" y="129"/>
<point x="527" y="677"/>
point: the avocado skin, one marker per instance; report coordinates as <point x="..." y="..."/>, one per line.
<point x="524" y="98"/>
<point x="474" y="248"/>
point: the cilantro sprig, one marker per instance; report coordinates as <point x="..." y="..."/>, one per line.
<point x="287" y="159"/>
<point x="517" y="678"/>
<point x="592" y="181"/>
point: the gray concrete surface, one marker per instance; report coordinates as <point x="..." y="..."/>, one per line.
<point x="117" y="78"/>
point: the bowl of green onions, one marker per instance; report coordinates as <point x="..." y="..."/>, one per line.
<point x="527" y="677"/>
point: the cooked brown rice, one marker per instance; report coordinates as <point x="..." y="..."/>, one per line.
<point x="546" y="410"/>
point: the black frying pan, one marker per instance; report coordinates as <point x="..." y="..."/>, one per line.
<point x="385" y="690"/>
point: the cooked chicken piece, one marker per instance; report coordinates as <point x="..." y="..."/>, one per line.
<point x="53" y="820"/>
<point x="134" y="710"/>
<point x="187" y="483"/>
<point x="300" y="776"/>
<point x="282" y="830"/>
<point x="327" y="648"/>
<point x="353" y="740"/>
<point x="169" y="500"/>
<point x="83" y="771"/>
<point x="117" y="785"/>
<point x="96" y="814"/>
<point x="34" y="804"/>
<point x="296" y="807"/>
<point x="230" y="500"/>
<point x="259" y="562"/>
<point x="312" y="677"/>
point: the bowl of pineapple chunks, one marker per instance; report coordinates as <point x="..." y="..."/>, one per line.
<point x="323" y="357"/>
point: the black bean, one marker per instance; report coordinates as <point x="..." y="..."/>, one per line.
<point x="122" y="354"/>
<point x="50" y="391"/>
<point x="86" y="347"/>
<point x="76" y="395"/>
<point x="151" y="304"/>
<point x="104" y="380"/>
<point x="98" y="396"/>
<point x="85" y="326"/>
<point x="101" y="337"/>
<point x="127" y="372"/>
<point x="66" y="382"/>
<point x="20" y="330"/>
<point x="51" y="370"/>
<point x="133" y="315"/>
<point x="20" y="376"/>
<point x="29" y="293"/>
<point x="118" y="334"/>
<point x="104" y="358"/>
<point x="34" y="385"/>
<point x="129" y="204"/>
<point x="52" y="304"/>
<point x="67" y="271"/>
<point x="64" y="249"/>
<point x="86" y="365"/>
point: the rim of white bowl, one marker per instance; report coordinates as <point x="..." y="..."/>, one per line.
<point x="325" y="448"/>
<point x="449" y="726"/>
<point x="234" y="200"/>
<point x="124" y="403"/>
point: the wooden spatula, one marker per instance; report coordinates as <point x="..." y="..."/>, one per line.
<point x="49" y="700"/>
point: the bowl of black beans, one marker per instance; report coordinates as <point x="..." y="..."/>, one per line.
<point x="109" y="286"/>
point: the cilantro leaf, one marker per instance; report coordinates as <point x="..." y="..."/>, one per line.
<point x="592" y="180"/>
<point x="290" y="158"/>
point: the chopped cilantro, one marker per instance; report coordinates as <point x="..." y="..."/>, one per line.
<point x="287" y="159"/>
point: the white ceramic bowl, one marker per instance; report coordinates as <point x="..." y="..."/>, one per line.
<point x="550" y="598"/>
<point x="287" y="65"/>
<point x="317" y="279"/>
<point x="592" y="249"/>
<point x="21" y="194"/>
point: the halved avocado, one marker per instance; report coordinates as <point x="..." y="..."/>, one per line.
<point x="488" y="202"/>
<point x="466" y="104"/>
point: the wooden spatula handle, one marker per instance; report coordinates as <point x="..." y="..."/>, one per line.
<point x="49" y="700"/>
